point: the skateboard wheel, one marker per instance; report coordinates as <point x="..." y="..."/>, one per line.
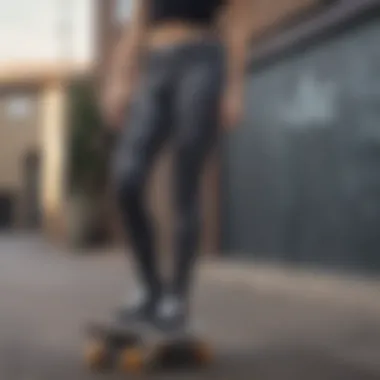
<point x="96" y="355"/>
<point x="131" y="360"/>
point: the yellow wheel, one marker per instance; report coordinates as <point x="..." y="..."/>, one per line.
<point x="131" y="360"/>
<point x="204" y="353"/>
<point x="95" y="355"/>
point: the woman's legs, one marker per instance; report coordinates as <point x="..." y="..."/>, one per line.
<point x="145" y="132"/>
<point x="197" y="99"/>
<point x="180" y="95"/>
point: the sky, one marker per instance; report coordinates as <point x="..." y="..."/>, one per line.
<point x="31" y="30"/>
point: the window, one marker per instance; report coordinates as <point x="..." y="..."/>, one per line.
<point x="123" y="10"/>
<point x="18" y="107"/>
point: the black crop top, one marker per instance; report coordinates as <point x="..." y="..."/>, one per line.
<point x="194" y="11"/>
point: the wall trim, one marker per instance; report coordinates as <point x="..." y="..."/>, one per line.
<point x="334" y="19"/>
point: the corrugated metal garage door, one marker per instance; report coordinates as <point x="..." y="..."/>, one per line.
<point x="301" y="178"/>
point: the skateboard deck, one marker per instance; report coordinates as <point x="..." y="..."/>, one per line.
<point x="110" y="346"/>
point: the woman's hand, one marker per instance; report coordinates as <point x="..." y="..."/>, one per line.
<point x="116" y="99"/>
<point x="232" y="107"/>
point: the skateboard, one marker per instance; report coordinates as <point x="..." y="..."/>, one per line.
<point x="111" y="347"/>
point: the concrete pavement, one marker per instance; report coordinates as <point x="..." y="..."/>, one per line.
<point x="265" y="323"/>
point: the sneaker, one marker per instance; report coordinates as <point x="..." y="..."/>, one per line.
<point x="141" y="310"/>
<point x="171" y="315"/>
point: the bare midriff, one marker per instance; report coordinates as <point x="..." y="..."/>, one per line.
<point x="174" y="32"/>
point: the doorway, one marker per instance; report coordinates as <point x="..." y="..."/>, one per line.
<point x="32" y="174"/>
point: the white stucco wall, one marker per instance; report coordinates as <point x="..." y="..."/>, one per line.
<point x="47" y="30"/>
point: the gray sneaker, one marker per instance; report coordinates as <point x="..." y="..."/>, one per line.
<point x="171" y="315"/>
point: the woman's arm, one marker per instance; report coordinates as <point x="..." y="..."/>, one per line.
<point x="236" y="27"/>
<point x="125" y="60"/>
<point x="123" y="70"/>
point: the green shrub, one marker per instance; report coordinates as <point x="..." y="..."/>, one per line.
<point x="87" y="157"/>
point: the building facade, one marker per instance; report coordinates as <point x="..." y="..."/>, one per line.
<point x="300" y="178"/>
<point x="43" y="46"/>
<point x="266" y="19"/>
<point x="19" y="155"/>
<point x="298" y="182"/>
